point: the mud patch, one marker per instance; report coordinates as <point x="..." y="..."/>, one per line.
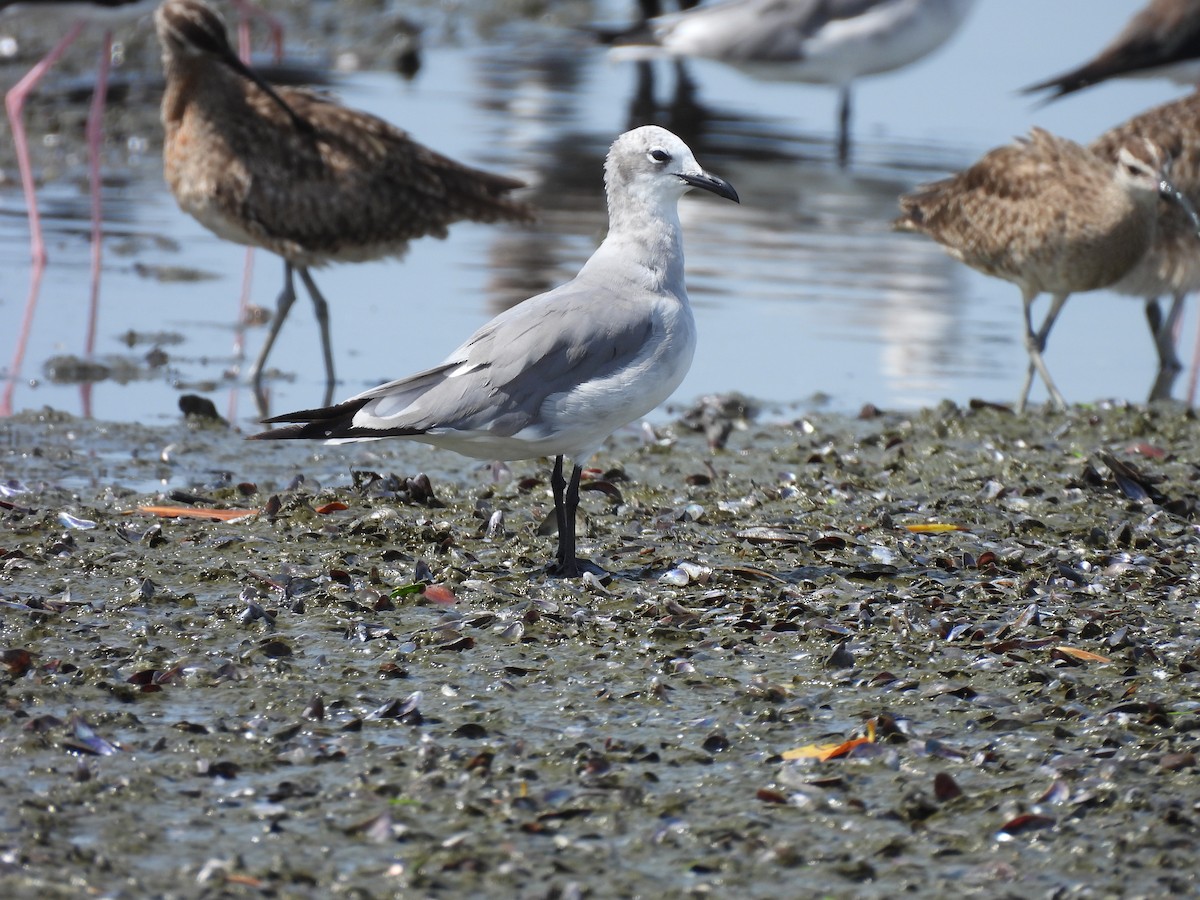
<point x="952" y="651"/>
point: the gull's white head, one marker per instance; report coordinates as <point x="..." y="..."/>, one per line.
<point x="650" y="167"/>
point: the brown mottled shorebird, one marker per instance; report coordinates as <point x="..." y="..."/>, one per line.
<point x="1048" y="215"/>
<point x="1171" y="266"/>
<point x="295" y="173"/>
<point x="1161" y="40"/>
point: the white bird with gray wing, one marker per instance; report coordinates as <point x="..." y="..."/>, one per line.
<point x="558" y="373"/>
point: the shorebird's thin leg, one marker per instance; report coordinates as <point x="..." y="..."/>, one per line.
<point x="282" y="307"/>
<point x="1166" y="336"/>
<point x="1165" y="330"/>
<point x="1154" y="316"/>
<point x="321" y="308"/>
<point x="1035" y="343"/>
<point x="843" y="144"/>
<point x="1174" y="323"/>
<point x="14" y="101"/>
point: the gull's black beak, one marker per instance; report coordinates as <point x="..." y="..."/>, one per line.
<point x="718" y="186"/>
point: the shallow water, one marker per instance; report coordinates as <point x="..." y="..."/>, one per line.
<point x="800" y="291"/>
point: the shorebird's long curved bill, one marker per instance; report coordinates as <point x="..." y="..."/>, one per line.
<point x="231" y="59"/>
<point x="1168" y="191"/>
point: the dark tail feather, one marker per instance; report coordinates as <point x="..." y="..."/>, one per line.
<point x="1084" y="76"/>
<point x="1059" y="87"/>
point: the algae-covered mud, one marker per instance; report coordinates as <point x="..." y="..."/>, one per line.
<point x="799" y="680"/>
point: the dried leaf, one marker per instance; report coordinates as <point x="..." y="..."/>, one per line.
<point x="810" y="751"/>
<point x="844" y="749"/>
<point x="1086" y="655"/>
<point x="825" y="752"/>
<point x="188" y="512"/>
<point x="934" y="528"/>
<point x="327" y="508"/>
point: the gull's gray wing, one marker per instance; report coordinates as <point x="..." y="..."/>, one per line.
<point x="499" y="380"/>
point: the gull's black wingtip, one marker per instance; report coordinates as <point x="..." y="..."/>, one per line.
<point x="321" y="423"/>
<point x="279" y="434"/>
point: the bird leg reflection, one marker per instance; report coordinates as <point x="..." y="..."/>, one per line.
<point x="843" y="142"/>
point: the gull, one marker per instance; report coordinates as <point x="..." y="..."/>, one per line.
<point x="1161" y="40"/>
<point x="830" y="42"/>
<point x="297" y="174"/>
<point x="1048" y="215"/>
<point x="558" y="373"/>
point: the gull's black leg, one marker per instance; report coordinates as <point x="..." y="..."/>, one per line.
<point x="558" y="485"/>
<point x="566" y="505"/>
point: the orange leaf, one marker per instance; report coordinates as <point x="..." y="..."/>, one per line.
<point x="824" y="752"/>
<point x="188" y="512"/>
<point x="335" y="506"/>
<point x="810" y="751"/>
<point x="934" y="528"/>
<point x="247" y="880"/>
<point x="1083" y="654"/>
<point x="843" y="749"/>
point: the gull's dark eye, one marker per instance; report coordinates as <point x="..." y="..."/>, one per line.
<point x="660" y="156"/>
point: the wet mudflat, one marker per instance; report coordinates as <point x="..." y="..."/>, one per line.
<point x="248" y="707"/>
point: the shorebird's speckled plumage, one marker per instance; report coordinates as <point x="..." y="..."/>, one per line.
<point x="1048" y="215"/>
<point x="293" y="172"/>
